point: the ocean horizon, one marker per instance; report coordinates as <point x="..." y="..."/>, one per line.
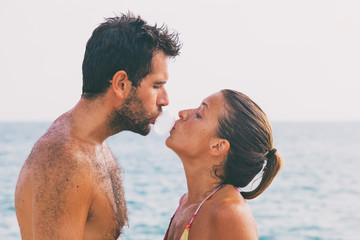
<point x="315" y="196"/>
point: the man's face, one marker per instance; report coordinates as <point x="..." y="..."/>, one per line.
<point x="144" y="103"/>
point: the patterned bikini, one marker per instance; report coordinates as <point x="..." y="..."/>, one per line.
<point x="185" y="235"/>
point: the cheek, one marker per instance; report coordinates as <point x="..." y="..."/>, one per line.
<point x="150" y="101"/>
<point x="147" y="106"/>
<point x="189" y="138"/>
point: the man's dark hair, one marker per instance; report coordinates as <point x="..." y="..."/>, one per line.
<point x="126" y="43"/>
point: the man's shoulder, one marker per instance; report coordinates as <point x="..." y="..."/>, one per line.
<point x="57" y="149"/>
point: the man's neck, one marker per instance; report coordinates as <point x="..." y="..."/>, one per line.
<point x="89" y="120"/>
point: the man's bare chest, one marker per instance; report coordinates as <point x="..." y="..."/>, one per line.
<point x="107" y="213"/>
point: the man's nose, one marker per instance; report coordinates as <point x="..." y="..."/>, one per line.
<point x="163" y="99"/>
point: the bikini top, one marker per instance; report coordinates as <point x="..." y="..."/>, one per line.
<point x="185" y="235"/>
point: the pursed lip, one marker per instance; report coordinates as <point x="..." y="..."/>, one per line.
<point x="153" y="120"/>
<point x="173" y="128"/>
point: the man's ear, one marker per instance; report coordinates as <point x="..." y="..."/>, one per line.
<point x="121" y="84"/>
<point x="219" y="146"/>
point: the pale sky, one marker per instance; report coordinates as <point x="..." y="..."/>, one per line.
<point x="299" y="60"/>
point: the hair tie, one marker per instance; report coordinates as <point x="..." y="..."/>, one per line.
<point x="271" y="153"/>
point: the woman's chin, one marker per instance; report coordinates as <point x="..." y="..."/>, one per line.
<point x="168" y="142"/>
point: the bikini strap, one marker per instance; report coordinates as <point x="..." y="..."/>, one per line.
<point x="238" y="189"/>
<point x="181" y="201"/>
<point x="167" y="231"/>
<point x="192" y="219"/>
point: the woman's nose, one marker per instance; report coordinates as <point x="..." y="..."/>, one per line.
<point x="182" y="114"/>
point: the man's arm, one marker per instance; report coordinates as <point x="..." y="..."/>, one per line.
<point x="62" y="195"/>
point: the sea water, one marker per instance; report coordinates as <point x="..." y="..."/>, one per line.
<point x="315" y="196"/>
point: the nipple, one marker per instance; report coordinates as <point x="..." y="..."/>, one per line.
<point x="164" y="123"/>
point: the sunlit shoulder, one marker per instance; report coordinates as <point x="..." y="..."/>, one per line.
<point x="232" y="219"/>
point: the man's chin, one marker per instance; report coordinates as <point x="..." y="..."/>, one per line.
<point x="143" y="131"/>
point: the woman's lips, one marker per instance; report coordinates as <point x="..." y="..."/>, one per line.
<point x="173" y="128"/>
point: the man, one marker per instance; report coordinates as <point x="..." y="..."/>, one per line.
<point x="70" y="185"/>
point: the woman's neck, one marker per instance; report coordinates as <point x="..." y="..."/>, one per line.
<point x="201" y="181"/>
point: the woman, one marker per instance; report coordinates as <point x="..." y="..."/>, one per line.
<point x="223" y="144"/>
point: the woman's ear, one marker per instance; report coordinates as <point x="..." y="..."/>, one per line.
<point x="121" y="84"/>
<point x="219" y="146"/>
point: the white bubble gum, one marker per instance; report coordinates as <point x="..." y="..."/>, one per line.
<point x="164" y="123"/>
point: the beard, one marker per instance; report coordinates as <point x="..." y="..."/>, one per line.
<point x="132" y="116"/>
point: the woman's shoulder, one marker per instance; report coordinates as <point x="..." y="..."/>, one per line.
<point x="231" y="216"/>
<point x="229" y="203"/>
<point x="182" y="198"/>
<point x="230" y="209"/>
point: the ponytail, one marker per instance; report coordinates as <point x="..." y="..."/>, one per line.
<point x="249" y="133"/>
<point x="272" y="167"/>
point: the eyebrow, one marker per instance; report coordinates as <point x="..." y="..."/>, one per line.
<point x="160" y="82"/>
<point x="203" y="103"/>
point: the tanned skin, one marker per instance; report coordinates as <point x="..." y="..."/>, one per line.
<point x="70" y="186"/>
<point x="226" y="215"/>
<point x="70" y="189"/>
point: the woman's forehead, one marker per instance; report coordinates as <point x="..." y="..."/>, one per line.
<point x="214" y="99"/>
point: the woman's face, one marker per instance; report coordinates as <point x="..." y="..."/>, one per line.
<point x="194" y="130"/>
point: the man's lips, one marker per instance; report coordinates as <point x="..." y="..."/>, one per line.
<point x="153" y="120"/>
